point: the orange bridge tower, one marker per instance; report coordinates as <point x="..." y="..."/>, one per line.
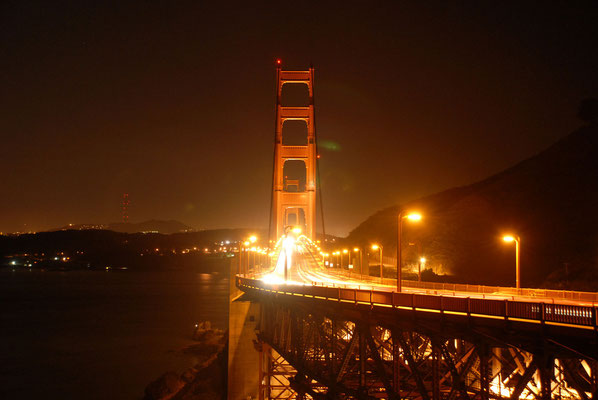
<point x="294" y="198"/>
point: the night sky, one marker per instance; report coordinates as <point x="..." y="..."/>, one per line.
<point x="173" y="102"/>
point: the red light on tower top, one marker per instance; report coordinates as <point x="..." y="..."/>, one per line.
<point x="278" y="61"/>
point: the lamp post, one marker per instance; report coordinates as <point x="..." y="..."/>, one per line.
<point x="240" y="266"/>
<point x="378" y="247"/>
<point x="345" y="251"/>
<point x="358" y="250"/>
<point x="252" y="240"/>
<point x="259" y="260"/>
<point x="246" y="267"/>
<point x="517" y="240"/>
<point x="412" y="217"/>
<point x="324" y="257"/>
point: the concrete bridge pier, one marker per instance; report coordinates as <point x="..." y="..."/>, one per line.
<point x="243" y="359"/>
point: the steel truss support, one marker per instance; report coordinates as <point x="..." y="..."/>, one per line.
<point x="336" y="357"/>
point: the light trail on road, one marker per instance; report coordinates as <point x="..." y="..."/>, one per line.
<point x="305" y="267"/>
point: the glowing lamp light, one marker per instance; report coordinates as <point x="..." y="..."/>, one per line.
<point x="414" y="216"/>
<point x="508" y="238"/>
<point x="345" y="251"/>
<point x="423" y="260"/>
<point x="297" y="230"/>
<point x="356" y="249"/>
<point x="278" y="61"/>
<point x="253" y="238"/>
<point x="288" y="242"/>
<point x="246" y="243"/>
<point x="375" y="247"/>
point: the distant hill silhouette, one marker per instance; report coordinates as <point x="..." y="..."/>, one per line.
<point x="165" y="227"/>
<point x="550" y="200"/>
<point x="97" y="249"/>
<point x="154" y="225"/>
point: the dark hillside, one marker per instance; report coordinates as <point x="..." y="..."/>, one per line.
<point x="549" y="200"/>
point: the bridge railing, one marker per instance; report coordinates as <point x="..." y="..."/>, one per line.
<point x="589" y="297"/>
<point x="573" y="315"/>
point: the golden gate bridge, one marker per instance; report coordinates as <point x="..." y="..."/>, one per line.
<point x="302" y="329"/>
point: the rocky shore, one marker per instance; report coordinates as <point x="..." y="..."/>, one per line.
<point x="206" y="380"/>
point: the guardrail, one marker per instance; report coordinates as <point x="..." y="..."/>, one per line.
<point x="457" y="287"/>
<point x="573" y="315"/>
<point x="482" y="289"/>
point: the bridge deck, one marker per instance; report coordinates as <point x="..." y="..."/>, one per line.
<point x="308" y="277"/>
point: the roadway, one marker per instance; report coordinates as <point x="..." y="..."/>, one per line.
<point x="306" y="267"/>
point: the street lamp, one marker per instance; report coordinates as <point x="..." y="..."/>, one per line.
<point x="358" y="250"/>
<point x="414" y="217"/>
<point x="246" y="245"/>
<point x="253" y="250"/>
<point x="252" y="239"/>
<point x="240" y="249"/>
<point x="517" y="240"/>
<point x="324" y="258"/>
<point x="378" y="247"/>
<point x="345" y="251"/>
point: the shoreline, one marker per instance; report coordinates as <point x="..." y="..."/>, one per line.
<point x="206" y="379"/>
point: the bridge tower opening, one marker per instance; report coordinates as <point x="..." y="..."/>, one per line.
<point x="290" y="198"/>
